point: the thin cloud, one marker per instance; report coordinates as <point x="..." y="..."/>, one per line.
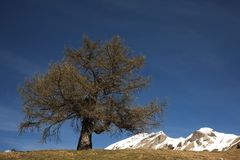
<point x="9" y="119"/>
<point x="17" y="63"/>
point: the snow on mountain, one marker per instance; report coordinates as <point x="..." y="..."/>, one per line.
<point x="200" y="140"/>
<point x="10" y="150"/>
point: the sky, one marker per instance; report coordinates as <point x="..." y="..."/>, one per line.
<point x="191" y="48"/>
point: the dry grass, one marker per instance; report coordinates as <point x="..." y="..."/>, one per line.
<point x="120" y="155"/>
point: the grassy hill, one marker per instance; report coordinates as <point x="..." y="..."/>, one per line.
<point x="120" y="155"/>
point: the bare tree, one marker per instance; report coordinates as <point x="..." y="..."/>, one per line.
<point x="93" y="87"/>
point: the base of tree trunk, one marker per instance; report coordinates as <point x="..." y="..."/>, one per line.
<point x="85" y="142"/>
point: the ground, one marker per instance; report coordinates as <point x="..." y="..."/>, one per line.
<point x="120" y="155"/>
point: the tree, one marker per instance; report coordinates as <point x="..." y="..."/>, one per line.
<point x="93" y="87"/>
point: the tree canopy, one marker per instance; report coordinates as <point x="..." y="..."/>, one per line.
<point x="94" y="88"/>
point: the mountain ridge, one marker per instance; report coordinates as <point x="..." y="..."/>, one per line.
<point x="203" y="139"/>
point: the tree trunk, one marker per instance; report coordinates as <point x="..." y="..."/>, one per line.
<point x="85" y="139"/>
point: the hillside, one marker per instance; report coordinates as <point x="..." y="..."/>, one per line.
<point x="121" y="155"/>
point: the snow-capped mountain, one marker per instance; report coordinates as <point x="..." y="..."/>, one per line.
<point x="200" y="140"/>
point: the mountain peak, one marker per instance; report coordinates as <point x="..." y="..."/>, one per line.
<point x="205" y="130"/>
<point x="161" y="133"/>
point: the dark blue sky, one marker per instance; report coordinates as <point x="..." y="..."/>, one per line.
<point x="192" y="49"/>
